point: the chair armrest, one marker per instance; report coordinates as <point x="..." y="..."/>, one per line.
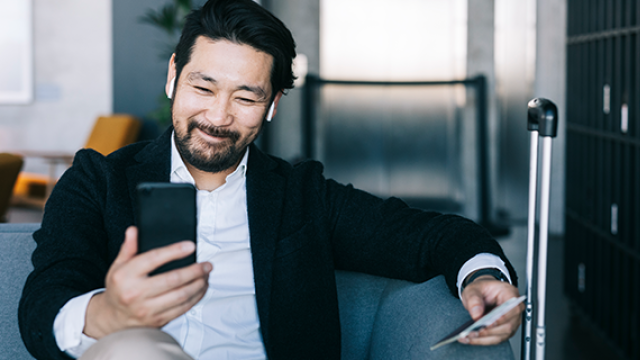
<point x="413" y="317"/>
<point x="359" y="297"/>
<point x="387" y="319"/>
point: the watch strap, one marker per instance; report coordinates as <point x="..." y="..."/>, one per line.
<point x="487" y="271"/>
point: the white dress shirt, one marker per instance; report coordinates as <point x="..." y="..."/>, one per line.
<point x="224" y="324"/>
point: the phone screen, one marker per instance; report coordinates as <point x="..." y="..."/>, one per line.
<point x="166" y="215"/>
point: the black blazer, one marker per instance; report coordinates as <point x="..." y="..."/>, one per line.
<point x="303" y="227"/>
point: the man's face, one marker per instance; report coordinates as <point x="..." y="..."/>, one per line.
<point x="221" y="98"/>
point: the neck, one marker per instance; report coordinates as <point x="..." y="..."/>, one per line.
<point x="207" y="180"/>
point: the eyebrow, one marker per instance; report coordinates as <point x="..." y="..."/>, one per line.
<point x="254" y="89"/>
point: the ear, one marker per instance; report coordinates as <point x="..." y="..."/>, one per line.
<point x="172" y="86"/>
<point x="169" y="87"/>
<point x="274" y="106"/>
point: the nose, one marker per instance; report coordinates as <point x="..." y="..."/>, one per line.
<point x="219" y="111"/>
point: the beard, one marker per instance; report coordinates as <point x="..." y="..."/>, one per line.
<point x="206" y="156"/>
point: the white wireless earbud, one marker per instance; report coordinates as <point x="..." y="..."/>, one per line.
<point x="270" y="113"/>
<point x="171" y="86"/>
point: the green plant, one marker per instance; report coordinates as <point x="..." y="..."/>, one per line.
<point x="170" y="19"/>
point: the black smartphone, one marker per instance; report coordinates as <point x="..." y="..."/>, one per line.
<point x="166" y="215"/>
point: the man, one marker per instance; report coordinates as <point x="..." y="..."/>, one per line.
<point x="270" y="236"/>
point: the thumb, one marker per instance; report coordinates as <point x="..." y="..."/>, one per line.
<point x="129" y="246"/>
<point x="474" y="303"/>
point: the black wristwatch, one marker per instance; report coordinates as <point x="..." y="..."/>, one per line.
<point x="488" y="271"/>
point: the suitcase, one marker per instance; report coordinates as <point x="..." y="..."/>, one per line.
<point x="542" y="123"/>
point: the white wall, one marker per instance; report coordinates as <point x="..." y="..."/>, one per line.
<point x="73" y="79"/>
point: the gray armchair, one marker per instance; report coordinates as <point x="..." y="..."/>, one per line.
<point x="381" y="318"/>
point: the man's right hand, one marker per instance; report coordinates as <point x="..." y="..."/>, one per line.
<point x="134" y="299"/>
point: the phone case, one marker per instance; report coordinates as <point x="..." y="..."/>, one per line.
<point x="166" y="215"/>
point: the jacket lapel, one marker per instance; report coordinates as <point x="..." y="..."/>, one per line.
<point x="265" y="196"/>
<point x="153" y="165"/>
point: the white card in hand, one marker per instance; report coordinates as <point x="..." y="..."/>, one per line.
<point x="483" y="322"/>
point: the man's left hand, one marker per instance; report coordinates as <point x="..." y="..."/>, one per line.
<point x="481" y="295"/>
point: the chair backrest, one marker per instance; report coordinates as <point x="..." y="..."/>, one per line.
<point x="110" y="133"/>
<point x="10" y="166"/>
<point x="16" y="246"/>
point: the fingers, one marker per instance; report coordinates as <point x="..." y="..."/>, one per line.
<point x="176" y="279"/>
<point x="476" y="296"/>
<point x="132" y="298"/>
<point x="492" y="335"/>
<point x="512" y="316"/>
<point x="475" y="339"/>
<point x="181" y="299"/>
<point x="144" y="292"/>
<point x="152" y="301"/>
<point x="474" y="303"/>
<point x="148" y="261"/>
<point x="129" y="247"/>
<point x="489" y="293"/>
<point x="158" y="310"/>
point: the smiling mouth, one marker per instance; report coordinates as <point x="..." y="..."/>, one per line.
<point x="212" y="135"/>
<point x="214" y="132"/>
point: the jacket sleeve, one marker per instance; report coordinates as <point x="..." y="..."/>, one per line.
<point x="388" y="238"/>
<point x="71" y="257"/>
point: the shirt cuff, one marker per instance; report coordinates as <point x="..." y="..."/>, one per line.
<point x="481" y="261"/>
<point x="69" y="323"/>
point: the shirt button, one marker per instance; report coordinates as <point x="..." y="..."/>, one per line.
<point x="192" y="313"/>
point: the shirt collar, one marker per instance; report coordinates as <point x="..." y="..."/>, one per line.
<point x="179" y="171"/>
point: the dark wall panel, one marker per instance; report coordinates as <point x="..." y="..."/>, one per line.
<point x="602" y="253"/>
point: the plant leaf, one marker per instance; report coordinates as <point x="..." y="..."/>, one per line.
<point x="165" y="18"/>
<point x="162" y="114"/>
<point x="183" y="4"/>
<point x="170" y="18"/>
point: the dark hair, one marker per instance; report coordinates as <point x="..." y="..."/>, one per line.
<point x="241" y="22"/>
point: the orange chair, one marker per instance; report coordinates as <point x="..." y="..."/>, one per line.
<point x="109" y="134"/>
<point x="10" y="166"/>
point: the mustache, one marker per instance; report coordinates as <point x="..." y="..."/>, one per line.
<point x="213" y="130"/>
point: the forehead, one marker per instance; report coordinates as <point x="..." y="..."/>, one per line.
<point x="225" y="60"/>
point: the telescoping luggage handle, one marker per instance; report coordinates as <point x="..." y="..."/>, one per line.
<point x="542" y="120"/>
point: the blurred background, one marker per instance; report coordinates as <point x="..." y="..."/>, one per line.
<point x="421" y="99"/>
